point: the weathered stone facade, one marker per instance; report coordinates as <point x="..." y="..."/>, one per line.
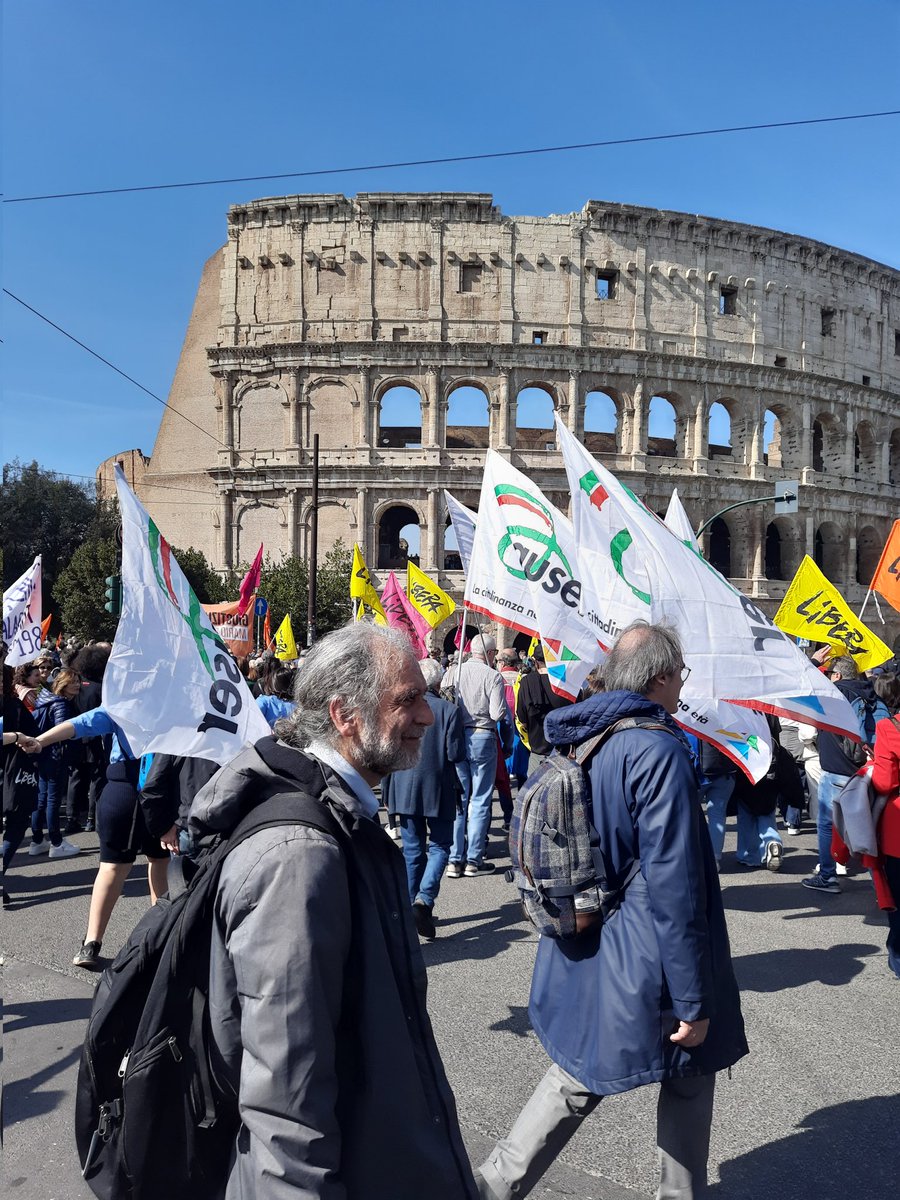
<point x="318" y="305"/>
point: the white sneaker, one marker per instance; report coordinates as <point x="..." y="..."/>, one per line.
<point x="840" y="869"/>
<point x="64" y="850"/>
<point x="39" y="847"/>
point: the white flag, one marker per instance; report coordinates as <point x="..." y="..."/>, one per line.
<point x="523" y="573"/>
<point x="677" y="521"/>
<point x="22" y="617"/>
<point x="636" y="567"/>
<point x="170" y="683"/>
<point x="463" y="526"/>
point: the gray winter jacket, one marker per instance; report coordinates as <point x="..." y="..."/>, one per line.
<point x="317" y="1002"/>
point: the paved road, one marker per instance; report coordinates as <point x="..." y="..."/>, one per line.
<point x="812" y="1114"/>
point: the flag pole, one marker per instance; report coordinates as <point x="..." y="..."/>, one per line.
<point x="864" y="603"/>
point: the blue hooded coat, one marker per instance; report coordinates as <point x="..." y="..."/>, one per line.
<point x="605" y="1004"/>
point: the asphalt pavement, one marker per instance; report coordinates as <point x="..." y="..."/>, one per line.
<point x="811" y="1114"/>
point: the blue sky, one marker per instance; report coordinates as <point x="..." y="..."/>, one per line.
<point x="110" y="94"/>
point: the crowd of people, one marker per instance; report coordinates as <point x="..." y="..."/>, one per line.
<point x="310" y="922"/>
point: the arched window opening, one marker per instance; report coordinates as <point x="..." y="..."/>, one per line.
<point x="865" y="455"/>
<point x="868" y="552"/>
<point x="818" y="447"/>
<point x="894" y="459"/>
<point x="772" y="449"/>
<point x="400" y="418"/>
<point x="774" y="566"/>
<point x="719" y="431"/>
<point x="829" y="552"/>
<point x="720" y="547"/>
<point x="534" y="419"/>
<point x="601" y="423"/>
<point x="398" y="538"/>
<point x="662" y="428"/>
<point x="468" y="419"/>
<point x="452" y="557"/>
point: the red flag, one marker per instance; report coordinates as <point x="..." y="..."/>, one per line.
<point x="250" y="583"/>
<point x="45" y="627"/>
<point x="267" y="632"/>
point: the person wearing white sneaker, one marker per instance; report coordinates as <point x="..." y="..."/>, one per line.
<point x="63" y="850"/>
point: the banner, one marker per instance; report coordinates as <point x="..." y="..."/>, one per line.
<point x="524" y="555"/>
<point x="170" y="684"/>
<point x="633" y="566"/>
<point x="285" y="643"/>
<point x="401" y="615"/>
<point x="429" y="600"/>
<point x="362" y="590"/>
<point x="677" y="520"/>
<point x="22" y="617"/>
<point x="813" y="608"/>
<point x="886" y="580"/>
<point x="463" y="520"/>
<point x="233" y="627"/>
<point x="250" y="582"/>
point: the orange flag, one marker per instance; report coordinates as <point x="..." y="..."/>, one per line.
<point x="45" y="627"/>
<point x="267" y="632"/>
<point x="886" y="580"/>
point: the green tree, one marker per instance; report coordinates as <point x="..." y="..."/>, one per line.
<point x="80" y="590"/>
<point x="45" y="513"/>
<point x="285" y="585"/>
<point x="208" y="587"/>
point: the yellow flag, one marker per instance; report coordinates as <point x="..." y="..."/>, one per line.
<point x="813" y="608"/>
<point x="285" y="646"/>
<point x="363" y="590"/>
<point x="426" y="597"/>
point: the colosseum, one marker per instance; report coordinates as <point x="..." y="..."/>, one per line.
<point x="411" y="331"/>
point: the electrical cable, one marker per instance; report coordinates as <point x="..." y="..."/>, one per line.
<point x="457" y="158"/>
<point x="119" y="371"/>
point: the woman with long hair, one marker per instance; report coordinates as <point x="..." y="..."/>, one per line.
<point x="52" y="709"/>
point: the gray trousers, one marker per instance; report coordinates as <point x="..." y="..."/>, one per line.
<point x="556" y="1109"/>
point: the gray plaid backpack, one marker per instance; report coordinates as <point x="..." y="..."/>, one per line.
<point x="555" y="849"/>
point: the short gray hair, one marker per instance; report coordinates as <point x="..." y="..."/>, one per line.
<point x="844" y="667"/>
<point x="482" y="645"/>
<point x="641" y="652"/>
<point x="433" y="673"/>
<point x="509" y="658"/>
<point x="355" y="664"/>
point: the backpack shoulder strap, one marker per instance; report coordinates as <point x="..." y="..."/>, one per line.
<point x="584" y="751"/>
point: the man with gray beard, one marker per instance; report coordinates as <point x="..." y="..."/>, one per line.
<point x="317" y="986"/>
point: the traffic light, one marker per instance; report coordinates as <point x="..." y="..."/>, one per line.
<point x="113" y="594"/>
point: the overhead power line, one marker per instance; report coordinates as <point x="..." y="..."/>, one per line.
<point x="457" y="158"/>
<point x="118" y="370"/>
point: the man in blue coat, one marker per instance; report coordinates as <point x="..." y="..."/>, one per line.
<point x="652" y="997"/>
<point x="426" y="799"/>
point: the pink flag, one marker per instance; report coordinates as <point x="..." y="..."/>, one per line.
<point x="401" y="614"/>
<point x="250" y="583"/>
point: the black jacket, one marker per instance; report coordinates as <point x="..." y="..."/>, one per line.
<point x="831" y="754"/>
<point x="535" y="700"/>
<point x="169" y="790"/>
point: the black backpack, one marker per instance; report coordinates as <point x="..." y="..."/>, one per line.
<point x="151" y="1118"/>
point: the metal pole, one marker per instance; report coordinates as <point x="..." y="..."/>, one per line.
<point x="740" y="504"/>
<point x="313" y="556"/>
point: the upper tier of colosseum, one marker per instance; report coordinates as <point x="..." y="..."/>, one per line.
<point x="450" y="267"/>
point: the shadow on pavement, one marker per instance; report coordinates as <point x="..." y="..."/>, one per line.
<point x="28" y="1014"/>
<point x="796" y="902"/>
<point x="846" y="1150"/>
<point x="23" y="1099"/>
<point x="494" y="932"/>
<point x="777" y="970"/>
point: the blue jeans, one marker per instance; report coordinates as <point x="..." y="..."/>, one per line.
<point x="753" y="835"/>
<point x="52" y="783"/>
<point x="470" y="828"/>
<point x="829" y="786"/>
<point x="716" y="791"/>
<point x="426" y="848"/>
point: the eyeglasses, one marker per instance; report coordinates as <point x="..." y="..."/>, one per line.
<point x="685" y="671"/>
